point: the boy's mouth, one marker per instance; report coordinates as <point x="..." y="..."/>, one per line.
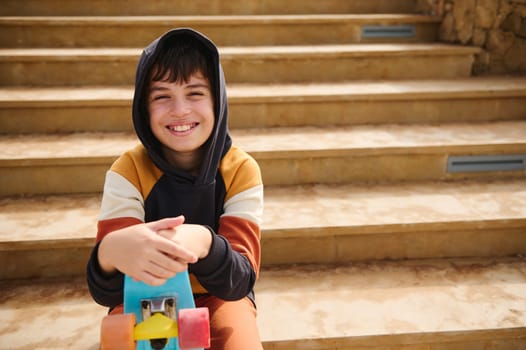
<point x="182" y="128"/>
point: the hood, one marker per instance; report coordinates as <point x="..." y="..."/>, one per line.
<point x="218" y="143"/>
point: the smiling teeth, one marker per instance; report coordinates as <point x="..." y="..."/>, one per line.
<point x="180" y="128"/>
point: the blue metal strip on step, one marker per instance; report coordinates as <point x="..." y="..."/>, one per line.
<point x="390" y="31"/>
<point x="462" y="164"/>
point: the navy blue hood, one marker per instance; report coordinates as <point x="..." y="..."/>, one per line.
<point x="218" y="143"/>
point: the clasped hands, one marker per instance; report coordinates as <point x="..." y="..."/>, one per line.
<point x="155" y="251"/>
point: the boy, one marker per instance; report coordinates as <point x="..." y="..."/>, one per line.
<point x="185" y="198"/>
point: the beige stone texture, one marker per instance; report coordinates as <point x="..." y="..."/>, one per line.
<point x="485" y="13"/>
<point x="479" y="37"/>
<point x="498" y="27"/>
<point x="464" y="14"/>
<point x="447" y="32"/>
<point x="499" y="42"/>
<point x="515" y="57"/>
<point x="512" y="23"/>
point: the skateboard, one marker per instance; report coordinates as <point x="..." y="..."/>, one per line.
<point x="157" y="318"/>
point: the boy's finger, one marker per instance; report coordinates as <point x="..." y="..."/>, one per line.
<point x="176" y="251"/>
<point x="169" y="234"/>
<point x="166" y="224"/>
<point x="164" y="266"/>
<point x="152" y="280"/>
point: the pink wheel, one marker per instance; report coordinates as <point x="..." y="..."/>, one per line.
<point x="116" y="332"/>
<point x="194" y="328"/>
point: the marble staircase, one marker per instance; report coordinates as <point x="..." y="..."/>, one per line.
<point x="368" y="242"/>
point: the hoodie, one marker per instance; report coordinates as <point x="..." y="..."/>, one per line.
<point x="226" y="195"/>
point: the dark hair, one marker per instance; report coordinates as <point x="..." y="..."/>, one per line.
<point x="180" y="58"/>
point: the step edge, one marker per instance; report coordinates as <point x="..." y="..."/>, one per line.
<point x="511" y="223"/>
<point x="259" y="155"/>
<point x="452" y="149"/>
<point x="396" y="228"/>
<point x="28" y="98"/>
<point x="175" y="21"/>
<point x="127" y="138"/>
<point x="233" y="53"/>
<point x="401" y="339"/>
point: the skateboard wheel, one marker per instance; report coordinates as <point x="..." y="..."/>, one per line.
<point x="194" y="328"/>
<point x="117" y="332"/>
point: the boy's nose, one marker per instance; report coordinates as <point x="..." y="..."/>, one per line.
<point x="180" y="109"/>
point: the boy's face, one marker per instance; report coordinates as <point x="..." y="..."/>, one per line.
<point x="181" y="116"/>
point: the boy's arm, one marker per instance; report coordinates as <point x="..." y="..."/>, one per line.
<point x="232" y="266"/>
<point x="106" y="290"/>
<point x="225" y="272"/>
<point x="121" y="207"/>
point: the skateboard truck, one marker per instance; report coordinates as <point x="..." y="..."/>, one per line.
<point x="159" y="320"/>
<point x="164" y="305"/>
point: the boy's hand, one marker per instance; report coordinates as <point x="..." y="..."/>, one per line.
<point x="195" y="238"/>
<point x="140" y="252"/>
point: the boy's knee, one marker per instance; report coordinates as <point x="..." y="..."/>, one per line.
<point x="233" y="325"/>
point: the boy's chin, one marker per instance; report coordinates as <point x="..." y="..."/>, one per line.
<point x="182" y="157"/>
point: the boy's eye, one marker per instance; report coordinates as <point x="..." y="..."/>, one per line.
<point x="196" y="93"/>
<point x="159" y="97"/>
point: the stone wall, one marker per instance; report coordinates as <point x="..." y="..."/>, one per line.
<point x="497" y="26"/>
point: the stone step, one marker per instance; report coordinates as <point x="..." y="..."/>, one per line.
<point x="46" y="32"/>
<point x="454" y="304"/>
<point x="92" y="109"/>
<point x="263" y="64"/>
<point x="199" y="7"/>
<point x="76" y="163"/>
<point x="302" y="224"/>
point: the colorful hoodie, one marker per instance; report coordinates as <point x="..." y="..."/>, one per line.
<point x="226" y="195"/>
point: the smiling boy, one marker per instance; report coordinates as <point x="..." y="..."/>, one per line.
<point x="182" y="119"/>
<point x="185" y="198"/>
